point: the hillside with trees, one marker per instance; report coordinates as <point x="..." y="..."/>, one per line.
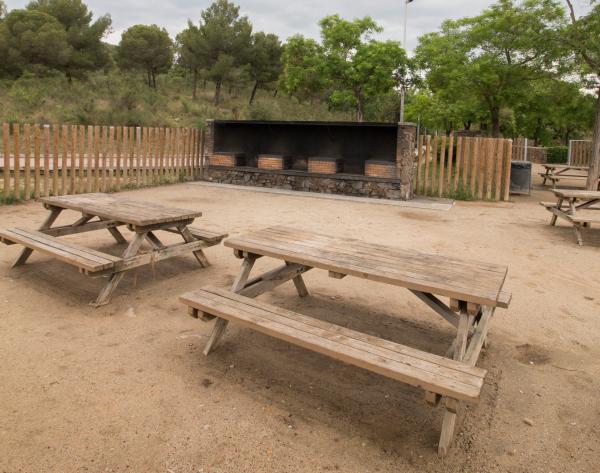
<point x="516" y="69"/>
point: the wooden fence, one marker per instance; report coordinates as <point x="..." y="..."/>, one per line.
<point x="464" y="167"/>
<point x="69" y="159"/>
<point x="580" y="152"/>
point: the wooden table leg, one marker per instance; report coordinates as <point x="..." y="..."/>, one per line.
<point x="238" y="285"/>
<point x="460" y="346"/>
<point x="554" y="216"/>
<point x="299" y="283"/>
<point x="115" y="279"/>
<point x="199" y="254"/>
<point x="50" y="219"/>
<point x="117" y="235"/>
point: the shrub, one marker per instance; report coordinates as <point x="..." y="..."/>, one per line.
<point x="558" y="154"/>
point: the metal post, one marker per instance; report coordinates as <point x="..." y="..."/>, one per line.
<point x="525" y="152"/>
<point x="569" y="155"/>
<point x="402" y="91"/>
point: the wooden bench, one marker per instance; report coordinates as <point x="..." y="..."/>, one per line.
<point x="433" y="373"/>
<point x="88" y="261"/>
<point x="204" y="234"/>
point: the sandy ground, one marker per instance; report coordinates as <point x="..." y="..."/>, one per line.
<point x="126" y="387"/>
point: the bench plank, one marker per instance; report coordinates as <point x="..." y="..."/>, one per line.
<point x="430" y="372"/>
<point x="84" y="258"/>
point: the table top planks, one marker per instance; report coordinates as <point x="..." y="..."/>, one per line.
<point x="576" y="194"/>
<point x="127" y="211"/>
<point x="566" y="166"/>
<point x="458" y="278"/>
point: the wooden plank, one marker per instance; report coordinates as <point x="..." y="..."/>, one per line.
<point x="402" y="363"/>
<point x="47" y="160"/>
<point x="82" y="228"/>
<point x="489" y="170"/>
<point x="507" y="170"/>
<point x="73" y="163"/>
<point x="499" y="162"/>
<point x="483" y="159"/>
<point x="466" y="160"/>
<point x="474" y="165"/>
<point x="17" y="165"/>
<point x="118" y="150"/>
<point x="7" y="154"/>
<point x="109" y="164"/>
<point x="449" y="187"/>
<point x="27" y="154"/>
<point x="64" y="166"/>
<point x="96" y="148"/>
<point x="55" y="158"/>
<point x="458" y="166"/>
<point x="84" y="258"/>
<point x="419" y="164"/>
<point x="478" y="338"/>
<point x="90" y="158"/>
<point x="434" y="164"/>
<point x="36" y="162"/>
<point x="427" y="163"/>
<point x="442" y="179"/>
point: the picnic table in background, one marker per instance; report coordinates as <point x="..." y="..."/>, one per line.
<point x="105" y="212"/>
<point x="474" y="290"/>
<point x="569" y="206"/>
<point x="557" y="172"/>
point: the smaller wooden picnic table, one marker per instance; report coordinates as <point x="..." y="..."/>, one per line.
<point x="106" y="212"/>
<point x="556" y="172"/>
<point x="474" y="290"/>
<point x="568" y="206"/>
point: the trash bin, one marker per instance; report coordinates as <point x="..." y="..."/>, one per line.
<point x="520" y="177"/>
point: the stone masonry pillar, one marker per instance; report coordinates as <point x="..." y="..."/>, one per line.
<point x="405" y="157"/>
<point x="209" y="139"/>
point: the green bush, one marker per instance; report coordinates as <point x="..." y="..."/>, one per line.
<point x="558" y="155"/>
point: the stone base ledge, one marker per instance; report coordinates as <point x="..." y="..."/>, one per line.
<point x="345" y="184"/>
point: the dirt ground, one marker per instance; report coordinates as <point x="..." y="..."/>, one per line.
<point x="126" y="387"/>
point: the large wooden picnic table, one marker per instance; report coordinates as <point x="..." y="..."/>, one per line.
<point x="569" y="206"/>
<point x="557" y="172"/>
<point x="474" y="291"/>
<point x="106" y="212"/>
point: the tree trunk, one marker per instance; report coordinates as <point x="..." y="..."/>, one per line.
<point x="594" y="173"/>
<point x="154" y="79"/>
<point x="359" y="109"/>
<point x="217" y="98"/>
<point x="253" y="94"/>
<point x="148" y="78"/>
<point x="275" y="93"/>
<point x="195" y="84"/>
<point x="495" y="117"/>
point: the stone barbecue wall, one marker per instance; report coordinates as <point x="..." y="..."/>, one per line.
<point x="360" y="186"/>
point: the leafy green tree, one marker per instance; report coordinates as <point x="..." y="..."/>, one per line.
<point x="495" y="55"/>
<point x="358" y="68"/>
<point x="225" y="42"/>
<point x="88" y="52"/>
<point x="303" y="64"/>
<point x="583" y="36"/>
<point x="148" y="48"/>
<point x="32" y="40"/>
<point x="264" y="61"/>
<point x="190" y="48"/>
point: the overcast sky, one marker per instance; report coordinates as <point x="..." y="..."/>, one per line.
<point x="287" y="18"/>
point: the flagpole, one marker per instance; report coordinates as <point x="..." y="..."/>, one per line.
<point x="402" y="91"/>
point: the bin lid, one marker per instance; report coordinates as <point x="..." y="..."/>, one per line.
<point x="520" y="164"/>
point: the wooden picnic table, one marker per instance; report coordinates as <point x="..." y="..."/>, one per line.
<point x="474" y="290"/>
<point x="569" y="205"/>
<point x="556" y="172"/>
<point x="106" y="212"/>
